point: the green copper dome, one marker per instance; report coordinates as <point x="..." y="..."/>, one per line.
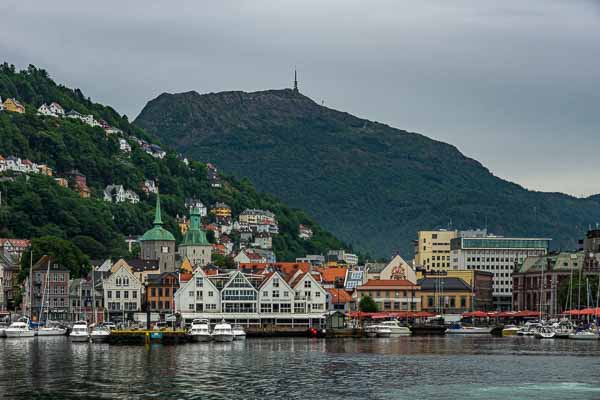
<point x="195" y="236"/>
<point x="158" y="232"/>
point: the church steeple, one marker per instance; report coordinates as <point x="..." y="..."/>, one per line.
<point x="295" y="81"/>
<point x="157" y="216"/>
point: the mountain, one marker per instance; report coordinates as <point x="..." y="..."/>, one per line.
<point x="34" y="205"/>
<point x="372" y="185"/>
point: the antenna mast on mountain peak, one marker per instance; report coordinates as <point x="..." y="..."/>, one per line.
<point x="295" y="81"/>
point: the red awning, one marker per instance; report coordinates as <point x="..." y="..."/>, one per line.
<point x="475" y="314"/>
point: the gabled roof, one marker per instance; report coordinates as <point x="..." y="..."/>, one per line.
<point x="339" y="296"/>
<point x="138" y="265"/>
<point x="156" y="279"/>
<point x="332" y="275"/>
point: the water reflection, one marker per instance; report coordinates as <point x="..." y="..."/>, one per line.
<point x="300" y="368"/>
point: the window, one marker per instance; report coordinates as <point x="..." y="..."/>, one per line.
<point x="160" y="292"/>
<point x="117" y="294"/>
<point x="463" y="301"/>
<point x="299" y="308"/>
<point x="191" y="293"/>
<point x="430" y="301"/>
<point x="210" y="293"/>
<point x="153" y="291"/>
<point x="199" y="281"/>
<point x="167" y="291"/>
<point x="265" y="308"/>
<point x="275" y="294"/>
<point x="125" y="294"/>
<point x="285" y="308"/>
<point x="387" y="305"/>
<point x="109" y="294"/>
<point x="286" y="294"/>
<point x="160" y="304"/>
<point x="276" y="282"/>
<point x="452" y="302"/>
<point x="317" y="294"/>
<point x="396" y="305"/>
<point x="307" y="284"/>
<point x="134" y="294"/>
<point x="164" y="249"/>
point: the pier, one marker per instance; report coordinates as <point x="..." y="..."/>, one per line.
<point x="177" y="336"/>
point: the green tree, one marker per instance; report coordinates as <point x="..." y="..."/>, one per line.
<point x="63" y="251"/>
<point x="223" y="261"/>
<point x="367" y="304"/>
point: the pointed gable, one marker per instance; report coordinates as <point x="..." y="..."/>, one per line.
<point x="398" y="269"/>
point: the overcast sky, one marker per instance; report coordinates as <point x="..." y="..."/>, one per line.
<point x="513" y="84"/>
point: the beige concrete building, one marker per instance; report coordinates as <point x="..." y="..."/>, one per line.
<point x="432" y="249"/>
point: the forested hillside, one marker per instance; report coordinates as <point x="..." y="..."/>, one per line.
<point x="34" y="205"/>
<point x="370" y="184"/>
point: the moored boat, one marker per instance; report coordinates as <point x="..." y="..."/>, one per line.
<point x="100" y="334"/>
<point x="80" y="332"/>
<point x="222" y="332"/>
<point x="238" y="333"/>
<point x="51" y="331"/>
<point x="19" y="329"/>
<point x="200" y="332"/>
<point x="469" y="330"/>
<point x="510" y="330"/>
<point x="584" y="335"/>
<point x="396" y="328"/>
<point x="545" y="332"/>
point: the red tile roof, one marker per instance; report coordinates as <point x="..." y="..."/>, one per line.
<point x="375" y="283"/>
<point x="330" y="275"/>
<point x="339" y="296"/>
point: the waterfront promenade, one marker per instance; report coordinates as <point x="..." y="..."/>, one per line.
<point x="483" y="367"/>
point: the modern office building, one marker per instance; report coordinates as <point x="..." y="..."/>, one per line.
<point x="498" y="255"/>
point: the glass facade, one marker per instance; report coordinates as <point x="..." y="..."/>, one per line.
<point x="504" y="243"/>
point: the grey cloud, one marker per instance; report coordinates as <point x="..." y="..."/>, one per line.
<point x="512" y="83"/>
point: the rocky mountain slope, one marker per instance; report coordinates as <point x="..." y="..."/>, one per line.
<point x="369" y="183"/>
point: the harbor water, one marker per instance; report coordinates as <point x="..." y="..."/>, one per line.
<point x="481" y="367"/>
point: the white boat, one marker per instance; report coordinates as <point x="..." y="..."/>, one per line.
<point x="200" y="332"/>
<point x="2" y="329"/>
<point x="584" y="335"/>
<point x="100" y="334"/>
<point x="469" y="330"/>
<point x="238" y="333"/>
<point x="510" y="330"/>
<point x="51" y="331"/>
<point x="396" y="328"/>
<point x="80" y="332"/>
<point x="529" y="329"/>
<point x="19" y="329"/>
<point x="222" y="332"/>
<point x="378" y="331"/>
<point x="545" y="332"/>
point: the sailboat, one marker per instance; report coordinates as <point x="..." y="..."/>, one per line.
<point x="49" y="328"/>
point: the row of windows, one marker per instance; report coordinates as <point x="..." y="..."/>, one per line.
<point x="52" y="277"/>
<point x="126" y="306"/>
<point x="126" y="294"/>
<point x="388" y="293"/>
<point x="445" y="301"/>
<point x="161" y="305"/>
<point x="162" y="292"/>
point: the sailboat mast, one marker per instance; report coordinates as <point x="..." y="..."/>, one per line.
<point x="31" y="285"/>
<point x="93" y="296"/>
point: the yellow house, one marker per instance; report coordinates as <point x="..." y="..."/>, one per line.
<point x="13" y="105"/>
<point x="186" y="267"/>
<point x="442" y="294"/>
<point x="432" y="249"/>
<point x="221" y="210"/>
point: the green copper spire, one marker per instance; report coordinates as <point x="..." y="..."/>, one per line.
<point x="158" y="233"/>
<point x="195" y="236"/>
<point x="157" y="217"/>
